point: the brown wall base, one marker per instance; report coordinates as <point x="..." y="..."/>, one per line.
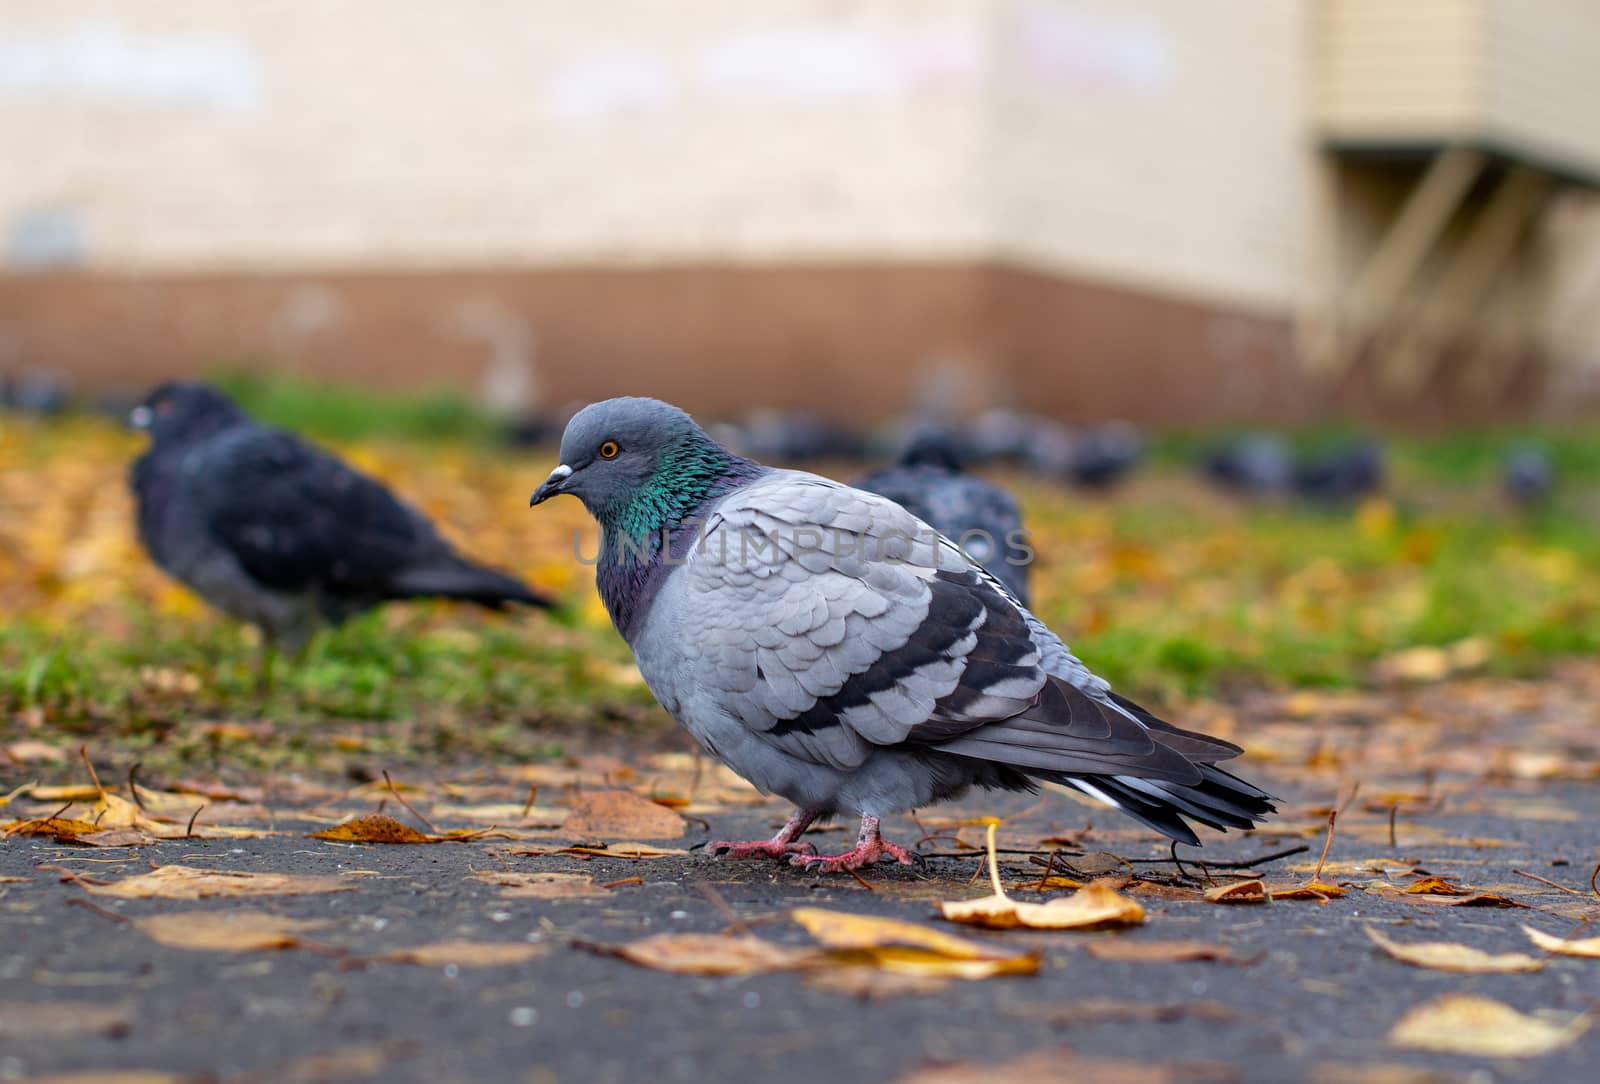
<point x="860" y="341"/>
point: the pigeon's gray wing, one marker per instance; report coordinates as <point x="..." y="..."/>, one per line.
<point x="831" y="622"/>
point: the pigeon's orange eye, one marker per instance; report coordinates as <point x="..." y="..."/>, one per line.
<point x="609" y="450"/>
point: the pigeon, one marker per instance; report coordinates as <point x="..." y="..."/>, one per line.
<point x="1102" y="457"/>
<point x="278" y="533"/>
<point x="1340" y="475"/>
<point x="983" y="519"/>
<point x="830" y="647"/>
<point x="1258" y="465"/>
<point x="1528" y="476"/>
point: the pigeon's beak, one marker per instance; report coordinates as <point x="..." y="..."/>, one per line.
<point x="140" y="417"/>
<point x="551" y="486"/>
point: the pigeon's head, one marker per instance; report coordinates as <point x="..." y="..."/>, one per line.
<point x="179" y="410"/>
<point x="617" y="451"/>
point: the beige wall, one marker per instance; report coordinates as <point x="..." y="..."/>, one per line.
<point x="1148" y="142"/>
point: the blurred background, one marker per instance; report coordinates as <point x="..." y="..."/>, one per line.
<point x="1173" y="212"/>
<point x="1281" y="318"/>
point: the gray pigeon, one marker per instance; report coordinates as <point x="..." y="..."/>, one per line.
<point x="273" y="531"/>
<point x="828" y="646"/>
<point x="983" y="519"/>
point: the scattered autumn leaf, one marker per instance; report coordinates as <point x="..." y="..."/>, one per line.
<point x="1319" y="891"/>
<point x="1479" y="1026"/>
<point x="635" y="851"/>
<point x="226" y="931"/>
<point x="908" y="947"/>
<point x="620" y="814"/>
<point x="1449" y="956"/>
<point x="1160" y="952"/>
<point x="1043" y="1065"/>
<point x="60" y="829"/>
<point x="1587" y="946"/>
<point x="1238" y="892"/>
<point x="61" y="1019"/>
<point x="1094" y="906"/>
<point x="542" y="886"/>
<point x="709" y="954"/>
<point x="382" y="828"/>
<point x="190" y="883"/>
<point x="466" y="954"/>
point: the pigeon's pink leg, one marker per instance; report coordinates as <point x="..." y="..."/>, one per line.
<point x="870" y="847"/>
<point x="786" y="842"/>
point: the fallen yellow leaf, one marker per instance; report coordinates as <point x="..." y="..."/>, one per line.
<point x="1320" y="891"/>
<point x="189" y="883"/>
<point x="542" y="886"/>
<point x="620" y="814"/>
<point x="1457" y="1024"/>
<point x="1092" y="906"/>
<point x="225" y="931"/>
<point x="1238" y="892"/>
<point x="709" y="954"/>
<point x="1587" y="946"/>
<point x="1449" y="956"/>
<point x="466" y="954"/>
<point x="382" y="828"/>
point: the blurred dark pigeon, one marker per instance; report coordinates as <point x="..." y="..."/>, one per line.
<point x="1340" y="475"/>
<point x="1528" y="476"/>
<point x="796" y="436"/>
<point x="1000" y="436"/>
<point x="1105" y="455"/>
<point x="274" y="531"/>
<point x="36" y="391"/>
<point x="1258" y="464"/>
<point x="983" y="519"/>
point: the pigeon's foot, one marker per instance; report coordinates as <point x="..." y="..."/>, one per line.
<point x="761" y="848"/>
<point x="870" y="848"/>
<point x="785" y="843"/>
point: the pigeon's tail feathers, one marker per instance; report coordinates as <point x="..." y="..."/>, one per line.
<point x="1220" y="800"/>
<point x="454" y="577"/>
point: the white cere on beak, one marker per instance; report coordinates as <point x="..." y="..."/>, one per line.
<point x="559" y="474"/>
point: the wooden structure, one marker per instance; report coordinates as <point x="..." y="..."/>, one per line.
<point x="1447" y="130"/>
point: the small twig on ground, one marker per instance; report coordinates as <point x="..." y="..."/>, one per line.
<point x="133" y="784"/>
<point x="624" y="881"/>
<point x="1354" y="790"/>
<point x="188" y="833"/>
<point x="735" y="923"/>
<point x="1045" y="876"/>
<point x="1242" y="864"/>
<point x="1173" y="850"/>
<point x="1594" y="880"/>
<point x="426" y="823"/>
<point x="97" y="909"/>
<point x="94" y="777"/>
<point x="533" y="795"/>
<point x="1394" y="811"/>
<point x="1547" y="881"/>
<point x="498" y="857"/>
<point x="1327" y="843"/>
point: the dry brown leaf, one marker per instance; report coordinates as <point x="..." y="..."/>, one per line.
<point x="1457" y="1024"/>
<point x="709" y="954"/>
<point x="1238" y="892"/>
<point x="190" y="883"/>
<point x="1449" y="956"/>
<point x="226" y="931"/>
<point x="1471" y="899"/>
<point x="1436" y="886"/>
<point x="1047" y="1065"/>
<point x="620" y="814"/>
<point x="542" y="886"/>
<point x="872" y="984"/>
<point x="112" y="1076"/>
<point x="466" y="954"/>
<point x="1094" y="906"/>
<point x="1587" y="946"/>
<point x="908" y="948"/>
<point x="60" y="829"/>
<point x="382" y="828"/>
<point x="1160" y="952"/>
<point x="61" y="1019"/>
<point x="1310" y="890"/>
<point x="629" y="850"/>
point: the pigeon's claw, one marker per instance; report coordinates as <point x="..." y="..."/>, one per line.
<point x="761" y="848"/>
<point x="870" y="848"/>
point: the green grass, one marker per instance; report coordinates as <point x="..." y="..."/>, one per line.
<point x="350" y="413"/>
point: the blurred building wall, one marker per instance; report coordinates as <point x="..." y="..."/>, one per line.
<point x="1088" y="206"/>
